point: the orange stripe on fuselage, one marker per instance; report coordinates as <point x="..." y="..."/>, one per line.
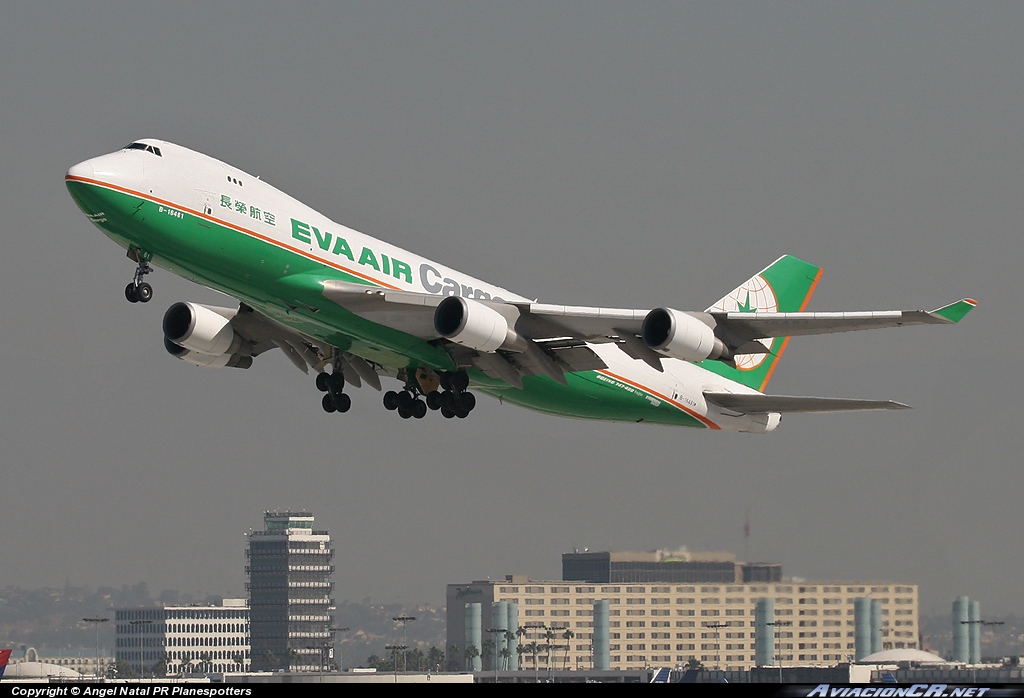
<point x="696" y="415"/>
<point x="236" y="228"/>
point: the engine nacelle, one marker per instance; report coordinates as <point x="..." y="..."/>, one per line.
<point x="202" y="329"/>
<point x="681" y="336"/>
<point x="473" y="324"/>
<point x="207" y="360"/>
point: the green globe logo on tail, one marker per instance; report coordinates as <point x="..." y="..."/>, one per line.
<point x="784" y="287"/>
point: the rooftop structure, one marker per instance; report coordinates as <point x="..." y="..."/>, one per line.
<point x="665" y="566"/>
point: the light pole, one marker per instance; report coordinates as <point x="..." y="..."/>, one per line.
<point x="983" y="623"/>
<point x="404" y="620"/>
<point x="97" y="622"/>
<point x="335" y="631"/>
<point x="494" y="653"/>
<point x="778" y="650"/>
<point x="142" y="652"/>
<point x="541" y="626"/>
<point x="395" y="649"/>
<point x="322" y="651"/>
<point x="716" y="626"/>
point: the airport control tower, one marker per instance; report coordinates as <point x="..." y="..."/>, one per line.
<point x="290" y="604"/>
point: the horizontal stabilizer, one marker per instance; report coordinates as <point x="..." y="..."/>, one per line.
<point x="739" y="326"/>
<point x="748" y="403"/>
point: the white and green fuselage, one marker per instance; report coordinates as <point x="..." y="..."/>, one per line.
<point x="220" y="227"/>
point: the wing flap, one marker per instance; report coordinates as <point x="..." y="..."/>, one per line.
<point x="757" y="403"/>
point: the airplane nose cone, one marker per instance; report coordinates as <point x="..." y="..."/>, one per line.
<point x="83" y="170"/>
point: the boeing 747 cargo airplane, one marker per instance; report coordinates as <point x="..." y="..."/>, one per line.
<point x="329" y="296"/>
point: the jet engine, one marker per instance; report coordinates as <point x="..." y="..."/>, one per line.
<point x="473" y="324"/>
<point x="204" y="336"/>
<point x="681" y="336"/>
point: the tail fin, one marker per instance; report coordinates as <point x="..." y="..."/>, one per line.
<point x="785" y="286"/>
<point x="5" y="655"/>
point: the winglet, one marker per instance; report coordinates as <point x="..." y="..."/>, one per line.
<point x="954" y="312"/>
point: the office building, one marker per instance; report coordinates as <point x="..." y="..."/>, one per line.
<point x="671" y="623"/>
<point x="183" y="639"/>
<point x="290" y="603"/>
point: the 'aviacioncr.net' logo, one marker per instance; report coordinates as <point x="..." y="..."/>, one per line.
<point x="754" y="295"/>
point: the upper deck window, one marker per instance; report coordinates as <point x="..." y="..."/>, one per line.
<point x="142" y="146"/>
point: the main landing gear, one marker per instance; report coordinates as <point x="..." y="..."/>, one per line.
<point x="332" y="384"/>
<point x="138" y="291"/>
<point x="454" y="401"/>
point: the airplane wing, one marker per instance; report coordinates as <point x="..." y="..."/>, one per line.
<point x="541" y="348"/>
<point x="756" y="403"/>
<point x="252" y="334"/>
<point x="552" y="339"/>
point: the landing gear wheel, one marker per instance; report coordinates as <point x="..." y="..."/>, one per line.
<point x="404" y="413"/>
<point x="343" y="402"/>
<point x="323" y="383"/>
<point x="131" y="293"/>
<point x="447" y="413"/>
<point x="449" y="401"/>
<point x="336" y="382"/>
<point x="405" y="402"/>
<point x="144" y="293"/>
<point x="460" y="381"/>
<point x="419" y="409"/>
<point x="468" y="401"/>
<point x="328" y="404"/>
<point x="391" y="400"/>
<point x="434" y="400"/>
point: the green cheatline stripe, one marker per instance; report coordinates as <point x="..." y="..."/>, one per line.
<point x="954" y="312"/>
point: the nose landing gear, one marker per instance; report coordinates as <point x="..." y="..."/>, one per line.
<point x="138" y="291"/>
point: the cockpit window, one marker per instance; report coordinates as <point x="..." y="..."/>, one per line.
<point x="142" y="146"/>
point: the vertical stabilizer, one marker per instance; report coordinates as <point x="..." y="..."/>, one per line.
<point x="5" y="656"/>
<point x="784" y="287"/>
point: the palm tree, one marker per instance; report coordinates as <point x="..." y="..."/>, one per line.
<point x="520" y="634"/>
<point x="509" y="637"/>
<point x="453" y="654"/>
<point x="534" y="649"/>
<point x="549" y="635"/>
<point x="487" y="652"/>
<point x="160" y="666"/>
<point x="568" y="635"/>
<point x="435" y="659"/>
<point x="414" y="659"/>
<point x="471" y="653"/>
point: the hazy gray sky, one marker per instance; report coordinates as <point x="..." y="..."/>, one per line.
<point x="619" y="154"/>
